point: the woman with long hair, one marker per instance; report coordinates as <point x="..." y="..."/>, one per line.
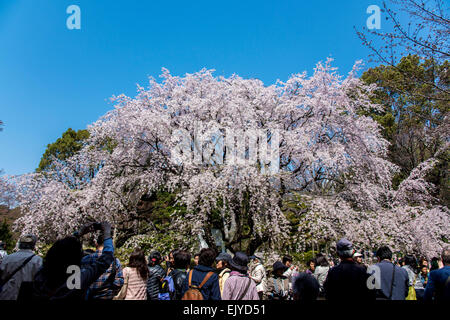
<point x="137" y="275"/>
<point x="321" y="271"/>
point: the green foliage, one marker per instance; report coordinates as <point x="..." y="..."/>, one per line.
<point x="413" y="109"/>
<point x="70" y="143"/>
<point x="6" y="236"/>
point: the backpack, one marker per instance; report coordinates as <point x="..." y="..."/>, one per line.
<point x="193" y="292"/>
<point x="166" y="288"/>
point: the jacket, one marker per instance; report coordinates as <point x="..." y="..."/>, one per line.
<point x="277" y="288"/>
<point x="112" y="287"/>
<point x="10" y="264"/>
<point x="258" y="275"/>
<point x="320" y="273"/>
<point x="347" y="281"/>
<point x="39" y="290"/>
<point x="210" y="290"/>
<point x="156" y="273"/>
<point x="401" y="281"/>
<point x="438" y="285"/>
<point x="223" y="276"/>
<point x="235" y="286"/>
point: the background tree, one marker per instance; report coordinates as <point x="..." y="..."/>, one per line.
<point x="63" y="148"/>
<point x="425" y="35"/>
<point x="6" y="236"/>
<point x="414" y="116"/>
<point x="330" y="153"/>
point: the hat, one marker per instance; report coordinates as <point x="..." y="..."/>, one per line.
<point x="239" y="262"/>
<point x="279" y="265"/>
<point x="223" y="256"/>
<point x="344" y="245"/>
<point x="357" y="254"/>
<point x="255" y="257"/>
<point x="28" y="238"/>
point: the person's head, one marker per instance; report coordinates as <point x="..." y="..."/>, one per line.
<point x="27" y="242"/>
<point x="154" y="258"/>
<point x="239" y="262"/>
<point x="344" y="249"/>
<point x="424" y="270"/>
<point x="279" y="268"/>
<point x="321" y="260"/>
<point x="171" y="256"/>
<point x="423" y="262"/>
<point x="182" y="259"/>
<point x="255" y="259"/>
<point x="137" y="260"/>
<point x="311" y="265"/>
<point x="357" y="257"/>
<point x="446" y="256"/>
<point x="411" y="261"/>
<point x="206" y="257"/>
<point x="434" y="264"/>
<point x="99" y="241"/>
<point x="287" y="260"/>
<point x="305" y="287"/>
<point x="223" y="261"/>
<point x="196" y="256"/>
<point x="384" y="253"/>
<point x="63" y="253"/>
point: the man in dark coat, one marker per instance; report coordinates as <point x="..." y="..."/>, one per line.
<point x="348" y="280"/>
<point x="439" y="281"/>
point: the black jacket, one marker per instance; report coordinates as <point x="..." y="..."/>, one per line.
<point x="178" y="277"/>
<point x="347" y="281"/>
<point x="156" y="273"/>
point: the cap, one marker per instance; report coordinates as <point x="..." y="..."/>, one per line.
<point x="357" y="254"/>
<point x="28" y="238"/>
<point x="223" y="256"/>
<point x="344" y="245"/>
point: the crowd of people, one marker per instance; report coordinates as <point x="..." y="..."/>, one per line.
<point x="208" y="275"/>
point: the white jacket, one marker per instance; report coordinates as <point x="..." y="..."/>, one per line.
<point x="258" y="274"/>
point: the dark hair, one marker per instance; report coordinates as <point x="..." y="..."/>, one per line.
<point x="154" y="258"/>
<point x="309" y="262"/>
<point x="137" y="260"/>
<point x="207" y="257"/>
<point x="26" y="245"/>
<point x="287" y="258"/>
<point x="196" y="255"/>
<point x="100" y="239"/>
<point x="182" y="259"/>
<point x="384" y="253"/>
<point x="63" y="253"/>
<point x="411" y="261"/>
<point x="322" y="261"/>
<point x="305" y="287"/>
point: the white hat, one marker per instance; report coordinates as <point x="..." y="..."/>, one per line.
<point x="357" y="254"/>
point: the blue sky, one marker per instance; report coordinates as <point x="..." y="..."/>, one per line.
<point x="53" y="78"/>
